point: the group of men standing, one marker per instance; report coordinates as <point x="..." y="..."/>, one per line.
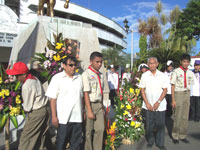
<point x="169" y="91"/>
<point x="72" y="95"/>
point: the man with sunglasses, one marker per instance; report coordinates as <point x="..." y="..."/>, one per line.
<point x="35" y="104"/>
<point x="66" y="92"/>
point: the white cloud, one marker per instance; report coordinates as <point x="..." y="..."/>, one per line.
<point x="140" y="10"/>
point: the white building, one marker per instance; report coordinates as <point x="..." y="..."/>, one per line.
<point x="15" y="15"/>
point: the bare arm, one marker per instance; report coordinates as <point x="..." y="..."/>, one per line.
<point x="162" y="96"/>
<point x="149" y="107"/>
<point x="90" y="113"/>
<point x="173" y="98"/>
<point x="53" y="112"/>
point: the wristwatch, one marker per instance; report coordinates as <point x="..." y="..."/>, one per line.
<point x="159" y="101"/>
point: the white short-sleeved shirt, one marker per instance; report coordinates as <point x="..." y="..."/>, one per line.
<point x="154" y="85"/>
<point x="113" y="81"/>
<point x="169" y="75"/>
<point x="195" y="87"/>
<point x="69" y="93"/>
<point x="127" y="76"/>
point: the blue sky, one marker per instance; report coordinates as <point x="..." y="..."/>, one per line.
<point x="133" y="10"/>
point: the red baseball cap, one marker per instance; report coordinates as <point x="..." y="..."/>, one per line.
<point x="18" y="68"/>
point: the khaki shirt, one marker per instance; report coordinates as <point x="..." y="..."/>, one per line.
<point x="33" y="95"/>
<point x="178" y="79"/>
<point x="91" y="85"/>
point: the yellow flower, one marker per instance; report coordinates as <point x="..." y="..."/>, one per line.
<point x="128" y="107"/>
<point x="11" y="113"/>
<point x="14" y="110"/>
<point x="3" y="91"/>
<point x="57" y="57"/>
<point x="18" y="96"/>
<point x="18" y="101"/>
<point x="131" y="90"/>
<point x="1" y="94"/>
<point x="113" y="127"/>
<point x="125" y="113"/>
<point x="122" y="106"/>
<point x="59" y="45"/>
<point x="137" y="91"/>
<point x="1" y="80"/>
<point x="132" y="123"/>
<point x="137" y="125"/>
<point x="64" y="56"/>
<point x="7" y="93"/>
<point x="77" y="70"/>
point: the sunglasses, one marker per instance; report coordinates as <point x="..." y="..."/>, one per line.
<point x="71" y="65"/>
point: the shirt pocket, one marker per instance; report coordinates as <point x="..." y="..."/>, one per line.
<point x="180" y="80"/>
<point x="93" y="85"/>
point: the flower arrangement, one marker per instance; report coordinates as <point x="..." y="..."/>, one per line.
<point x="50" y="61"/>
<point x="128" y="114"/>
<point x="10" y="99"/>
<point x="112" y="140"/>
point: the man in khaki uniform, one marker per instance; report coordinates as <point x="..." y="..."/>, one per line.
<point x="35" y="129"/>
<point x="93" y="86"/>
<point x="181" y="81"/>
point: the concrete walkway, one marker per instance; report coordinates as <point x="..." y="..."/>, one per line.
<point x="193" y="137"/>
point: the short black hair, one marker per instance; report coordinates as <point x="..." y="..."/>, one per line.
<point x="69" y="57"/>
<point x="95" y="54"/>
<point x="186" y="56"/>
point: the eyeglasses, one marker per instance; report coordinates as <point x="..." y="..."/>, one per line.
<point x="71" y="65"/>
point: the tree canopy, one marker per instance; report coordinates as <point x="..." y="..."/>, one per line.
<point x="189" y="21"/>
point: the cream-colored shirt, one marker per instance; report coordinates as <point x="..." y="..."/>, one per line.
<point x="178" y="79"/>
<point x="154" y="85"/>
<point x="91" y="85"/>
<point x="33" y="95"/>
<point x="68" y="93"/>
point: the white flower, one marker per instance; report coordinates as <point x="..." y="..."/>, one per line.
<point x="49" y="53"/>
<point x="47" y="64"/>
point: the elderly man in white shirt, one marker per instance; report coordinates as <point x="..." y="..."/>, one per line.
<point x="154" y="88"/>
<point x="66" y="92"/>
<point x="113" y="82"/>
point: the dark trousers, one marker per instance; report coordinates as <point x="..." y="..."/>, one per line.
<point x="195" y="108"/>
<point x="70" y="132"/>
<point x="112" y="95"/>
<point x="155" y="127"/>
<point x="169" y="105"/>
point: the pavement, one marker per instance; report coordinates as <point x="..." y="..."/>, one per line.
<point x="193" y="137"/>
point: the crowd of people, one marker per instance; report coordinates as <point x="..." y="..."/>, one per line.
<point x="76" y="102"/>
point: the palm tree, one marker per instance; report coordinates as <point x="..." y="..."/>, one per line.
<point x="115" y="56"/>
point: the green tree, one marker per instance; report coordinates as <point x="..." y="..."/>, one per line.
<point x="163" y="55"/>
<point x="152" y="27"/>
<point x="189" y="21"/>
<point x="115" y="56"/>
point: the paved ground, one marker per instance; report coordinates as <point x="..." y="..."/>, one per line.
<point x="193" y="137"/>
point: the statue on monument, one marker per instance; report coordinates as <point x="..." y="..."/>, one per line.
<point x="50" y="7"/>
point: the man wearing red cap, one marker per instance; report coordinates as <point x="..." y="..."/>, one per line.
<point x="35" y="104"/>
